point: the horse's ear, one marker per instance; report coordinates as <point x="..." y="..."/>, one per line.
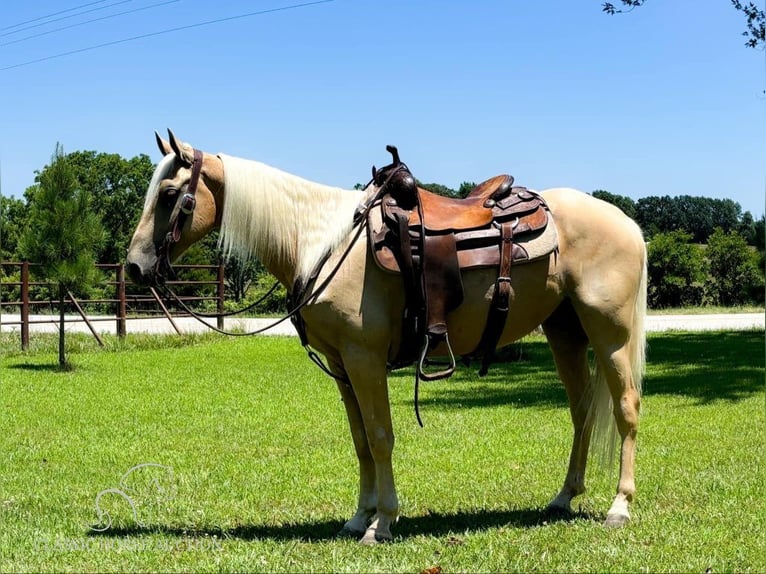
<point x="183" y="151"/>
<point x="164" y="146"/>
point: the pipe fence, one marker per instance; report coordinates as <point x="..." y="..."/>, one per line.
<point x="128" y="302"/>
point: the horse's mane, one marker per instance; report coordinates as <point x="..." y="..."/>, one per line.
<point x="276" y="216"/>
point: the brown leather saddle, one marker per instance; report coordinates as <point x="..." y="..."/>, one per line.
<point x="429" y="239"/>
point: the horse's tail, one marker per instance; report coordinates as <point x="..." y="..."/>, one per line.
<point x="600" y="416"/>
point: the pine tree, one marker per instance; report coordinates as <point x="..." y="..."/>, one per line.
<point x="62" y="234"/>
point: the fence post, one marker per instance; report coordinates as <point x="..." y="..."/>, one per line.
<point x="221" y="294"/>
<point x="122" y="304"/>
<point x="24" y="305"/>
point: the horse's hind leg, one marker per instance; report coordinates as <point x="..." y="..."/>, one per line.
<point x="569" y="344"/>
<point x="626" y="400"/>
<point x="617" y="338"/>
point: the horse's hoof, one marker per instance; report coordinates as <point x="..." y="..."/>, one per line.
<point x="347" y="532"/>
<point x="372" y="538"/>
<point x="616" y="520"/>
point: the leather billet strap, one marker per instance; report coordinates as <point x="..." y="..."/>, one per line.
<point x="498" y="310"/>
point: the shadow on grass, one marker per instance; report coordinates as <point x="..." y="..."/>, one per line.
<point x="705" y="366"/>
<point x="532" y="381"/>
<point x="46" y="368"/>
<point x="432" y="524"/>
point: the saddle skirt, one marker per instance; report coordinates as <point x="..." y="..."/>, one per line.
<point x="475" y="225"/>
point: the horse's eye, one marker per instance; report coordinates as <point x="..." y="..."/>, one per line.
<point x="170" y="197"/>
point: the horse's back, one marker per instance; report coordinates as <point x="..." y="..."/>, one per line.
<point x="588" y="222"/>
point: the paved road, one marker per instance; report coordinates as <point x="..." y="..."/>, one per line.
<point x="655" y="323"/>
<point x="716" y="322"/>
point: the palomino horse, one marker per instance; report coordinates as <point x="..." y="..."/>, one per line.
<point x="592" y="292"/>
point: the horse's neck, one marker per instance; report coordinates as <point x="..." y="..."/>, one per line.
<point x="287" y="222"/>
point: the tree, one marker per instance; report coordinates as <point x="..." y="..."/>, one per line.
<point x="697" y="215"/>
<point x="676" y="271"/>
<point x="63" y="234"/>
<point x="726" y="214"/>
<point x="747" y="228"/>
<point x="626" y="204"/>
<point x="655" y="214"/>
<point x="117" y="186"/>
<point x="438" y="189"/>
<point x="759" y="233"/>
<point x="465" y="188"/>
<point x="693" y="214"/>
<point x="755" y="18"/>
<point x="12" y="217"/>
<point x="734" y="275"/>
<point x="756" y="30"/>
<point x="239" y="276"/>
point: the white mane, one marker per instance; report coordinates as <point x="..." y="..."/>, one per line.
<point x="274" y="215"/>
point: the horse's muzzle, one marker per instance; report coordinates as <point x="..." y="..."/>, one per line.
<point x="144" y="277"/>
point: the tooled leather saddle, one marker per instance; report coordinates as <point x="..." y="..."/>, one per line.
<point x="430" y="239"/>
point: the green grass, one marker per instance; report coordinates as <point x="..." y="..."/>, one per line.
<point x="707" y="310"/>
<point x="264" y="475"/>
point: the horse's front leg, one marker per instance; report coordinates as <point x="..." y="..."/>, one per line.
<point x="367" y="373"/>
<point x="368" y="494"/>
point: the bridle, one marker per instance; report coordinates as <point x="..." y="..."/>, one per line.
<point x="186" y="205"/>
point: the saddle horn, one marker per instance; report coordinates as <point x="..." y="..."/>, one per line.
<point x="395" y="153"/>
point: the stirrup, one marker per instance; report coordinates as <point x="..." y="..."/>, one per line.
<point x="443" y="374"/>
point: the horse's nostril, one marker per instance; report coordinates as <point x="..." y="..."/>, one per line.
<point x="135" y="274"/>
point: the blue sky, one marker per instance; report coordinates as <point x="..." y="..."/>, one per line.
<point x="663" y="100"/>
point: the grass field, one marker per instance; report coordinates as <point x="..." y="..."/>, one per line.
<point x="258" y="472"/>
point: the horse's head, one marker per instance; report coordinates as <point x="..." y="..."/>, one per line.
<point x="183" y="204"/>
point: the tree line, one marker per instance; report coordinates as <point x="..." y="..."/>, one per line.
<point x="701" y="250"/>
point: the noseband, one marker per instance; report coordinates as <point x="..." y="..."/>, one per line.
<point x="163" y="267"/>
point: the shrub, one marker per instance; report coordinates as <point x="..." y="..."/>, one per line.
<point x="677" y="271"/>
<point x="735" y="278"/>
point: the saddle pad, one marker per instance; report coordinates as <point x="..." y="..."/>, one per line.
<point x="527" y="247"/>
